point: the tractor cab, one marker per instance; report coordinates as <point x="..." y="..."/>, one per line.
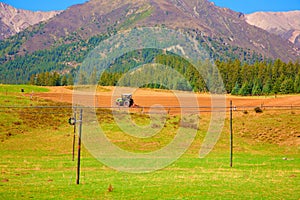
<point x="125" y="100"/>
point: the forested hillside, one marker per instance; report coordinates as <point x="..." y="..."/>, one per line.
<point x="67" y="57"/>
<point x="63" y="59"/>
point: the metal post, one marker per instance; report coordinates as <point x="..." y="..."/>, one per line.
<point x="79" y="147"/>
<point x="231" y="135"/>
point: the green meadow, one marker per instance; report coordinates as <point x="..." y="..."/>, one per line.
<point x="6" y="89"/>
<point x="36" y="156"/>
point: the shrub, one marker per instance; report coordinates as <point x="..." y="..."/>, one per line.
<point x="258" y="110"/>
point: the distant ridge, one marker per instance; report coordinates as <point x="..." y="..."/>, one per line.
<point x="284" y="24"/>
<point x="15" y="20"/>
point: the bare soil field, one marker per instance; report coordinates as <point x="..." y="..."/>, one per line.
<point x="272" y="130"/>
<point x="106" y="96"/>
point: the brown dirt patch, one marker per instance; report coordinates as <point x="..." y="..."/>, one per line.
<point x="148" y="97"/>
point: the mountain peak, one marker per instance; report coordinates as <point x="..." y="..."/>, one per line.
<point x="284" y="24"/>
<point x="13" y="20"/>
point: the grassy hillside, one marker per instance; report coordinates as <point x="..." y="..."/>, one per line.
<point x="36" y="158"/>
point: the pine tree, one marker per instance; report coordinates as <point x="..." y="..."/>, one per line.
<point x="235" y="90"/>
<point x="32" y="80"/>
<point x="287" y="86"/>
<point x="70" y="80"/>
<point x="267" y="88"/>
<point x="297" y="84"/>
<point x="256" y="90"/>
<point x="277" y="84"/>
<point x="54" y="79"/>
<point x="245" y="89"/>
<point x="64" y="81"/>
<point x="46" y="79"/>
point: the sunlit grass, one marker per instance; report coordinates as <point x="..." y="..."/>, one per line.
<point x="6" y="89"/>
<point x="36" y="159"/>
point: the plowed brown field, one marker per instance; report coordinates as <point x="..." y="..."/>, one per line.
<point x="274" y="130"/>
<point x="147" y="97"/>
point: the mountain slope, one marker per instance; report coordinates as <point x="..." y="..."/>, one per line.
<point x="15" y="20"/>
<point x="83" y="21"/>
<point x="61" y="43"/>
<point x="284" y="24"/>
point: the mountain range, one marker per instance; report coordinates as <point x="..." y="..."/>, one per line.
<point x="13" y="21"/>
<point x="73" y="32"/>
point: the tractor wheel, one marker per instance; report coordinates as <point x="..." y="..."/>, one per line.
<point x="131" y="102"/>
<point x="126" y="103"/>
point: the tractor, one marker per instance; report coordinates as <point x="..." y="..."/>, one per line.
<point x="125" y="100"/>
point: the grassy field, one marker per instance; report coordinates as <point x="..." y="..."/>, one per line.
<point x="17" y="88"/>
<point x="36" y="158"/>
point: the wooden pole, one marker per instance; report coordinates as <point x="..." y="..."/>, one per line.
<point x="79" y="147"/>
<point x="74" y="137"/>
<point x="231" y="135"/>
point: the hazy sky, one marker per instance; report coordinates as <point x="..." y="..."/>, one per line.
<point x="249" y="6"/>
<point x="245" y="6"/>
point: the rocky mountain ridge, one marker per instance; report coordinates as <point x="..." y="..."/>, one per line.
<point x="219" y="28"/>
<point x="284" y="24"/>
<point x="13" y="20"/>
<point x="80" y="22"/>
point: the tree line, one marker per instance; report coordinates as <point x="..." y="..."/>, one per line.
<point x="239" y="78"/>
<point x="260" y="78"/>
<point x="51" y="79"/>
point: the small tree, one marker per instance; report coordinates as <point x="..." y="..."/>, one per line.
<point x="256" y="90"/>
<point x="297" y="84"/>
<point x="245" y="89"/>
<point x="267" y="88"/>
<point x="287" y="86"/>
<point x="70" y="80"/>
<point x="32" y="80"/>
<point x="235" y="90"/>
<point x="64" y="81"/>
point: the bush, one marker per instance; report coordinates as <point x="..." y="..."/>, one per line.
<point x="258" y="110"/>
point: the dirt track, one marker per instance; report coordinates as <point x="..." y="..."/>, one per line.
<point x="148" y="98"/>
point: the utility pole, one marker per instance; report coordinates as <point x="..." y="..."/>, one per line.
<point x="74" y="136"/>
<point x="231" y="135"/>
<point x="79" y="147"/>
